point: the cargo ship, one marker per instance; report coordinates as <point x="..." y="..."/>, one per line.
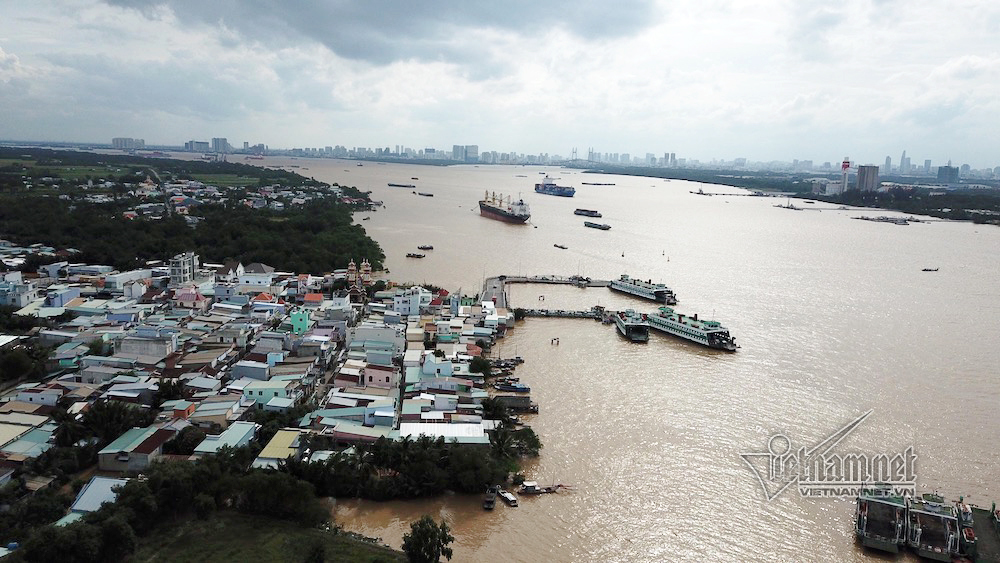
<point x="592" y="225"/>
<point x="632" y="325"/>
<point x="587" y="213"/>
<point x="646" y="289"/>
<point x="392" y="185"/>
<point x="496" y="207"/>
<point x="706" y="333"/>
<point x="548" y="186"/>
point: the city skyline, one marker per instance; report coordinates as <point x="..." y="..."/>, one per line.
<point x="806" y="82"/>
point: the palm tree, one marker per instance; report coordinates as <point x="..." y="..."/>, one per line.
<point x="110" y="419"/>
<point x="70" y="430"/>
<point x="502" y="444"/>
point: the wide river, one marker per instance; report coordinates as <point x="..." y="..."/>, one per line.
<point x="835" y="318"/>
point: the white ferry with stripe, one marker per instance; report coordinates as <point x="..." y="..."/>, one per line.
<point x="706" y="333"/>
<point x="646" y="289"/>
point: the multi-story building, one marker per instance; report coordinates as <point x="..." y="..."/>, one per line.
<point x="868" y="178"/>
<point x="183" y="268"/>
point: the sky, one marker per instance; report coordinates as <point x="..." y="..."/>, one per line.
<point x="705" y="79"/>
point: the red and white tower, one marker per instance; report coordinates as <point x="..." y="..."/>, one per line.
<point x="845" y="167"/>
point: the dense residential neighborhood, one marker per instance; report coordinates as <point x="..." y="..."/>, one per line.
<point x="209" y="357"/>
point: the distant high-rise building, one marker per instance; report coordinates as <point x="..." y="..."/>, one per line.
<point x="457" y="152"/>
<point x="903" y="168"/>
<point x="927" y="166"/>
<point x="868" y="178"/>
<point x="948" y="174"/>
<point x="887" y="169"/>
<point x="127" y="143"/>
<point x="220" y="144"/>
<point x="471" y="153"/>
<point x="196" y="146"/>
<point x="246" y="145"/>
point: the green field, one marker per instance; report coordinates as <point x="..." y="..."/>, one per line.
<point x="230" y="536"/>
<point x="225" y="180"/>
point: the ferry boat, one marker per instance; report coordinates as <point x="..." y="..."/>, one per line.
<point x="706" y="333"/>
<point x="632" y="325"/>
<point x="593" y="225"/>
<point x="391" y="185"/>
<point x="587" y="213"/>
<point x="645" y="289"/>
<point x="932" y="528"/>
<point x="880" y="520"/>
<point x="548" y="186"/>
<point x="495" y="207"/>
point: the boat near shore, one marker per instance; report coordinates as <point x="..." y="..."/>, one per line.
<point x="507" y="496"/>
<point x="646" y="289"/>
<point x="880" y="520"/>
<point x="706" y="333"/>
<point x="392" y="185"/>
<point x="632" y="326"/>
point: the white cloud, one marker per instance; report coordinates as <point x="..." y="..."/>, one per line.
<point x="773" y="80"/>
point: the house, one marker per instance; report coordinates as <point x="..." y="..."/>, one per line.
<point x="285" y="443"/>
<point x="134" y="450"/>
<point x="251" y="369"/>
<point x="190" y="298"/>
<point x="98" y="491"/>
<point x="264" y="391"/>
<point x="47" y="394"/>
<point x="238" y="434"/>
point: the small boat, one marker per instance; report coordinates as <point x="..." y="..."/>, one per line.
<point x="359" y="164"/>
<point x="365" y="218"/>
<point x="425" y="194"/>
<point x="532" y="488"/>
<point x="593" y="225"/>
<point x="512" y="387"/>
<point x="560" y="246"/>
<point x="392" y="185"/>
<point x="929" y="270"/>
<point x="490" y="498"/>
<point x="414" y="255"/>
<point x="425" y="247"/>
<point x="596" y="184"/>
<point x="587" y="213"/>
<point x="414" y="178"/>
<point x="507" y="496"/>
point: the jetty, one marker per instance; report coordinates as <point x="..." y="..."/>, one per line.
<point x="579" y="281"/>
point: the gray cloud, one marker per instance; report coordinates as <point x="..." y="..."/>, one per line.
<point x="383" y="31"/>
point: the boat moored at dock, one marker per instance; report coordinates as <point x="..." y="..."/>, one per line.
<point x="646" y="289"/>
<point x="932" y="528"/>
<point x="507" y="496"/>
<point x="880" y="520"/>
<point x="507" y="210"/>
<point x="548" y="186"/>
<point x="706" y="333"/>
<point x="632" y="326"/>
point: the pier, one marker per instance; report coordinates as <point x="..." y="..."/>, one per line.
<point x="596" y="312"/>
<point x="493" y="288"/>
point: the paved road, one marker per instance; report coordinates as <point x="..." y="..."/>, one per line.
<point x="493" y="287"/>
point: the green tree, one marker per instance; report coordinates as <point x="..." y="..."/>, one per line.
<point x="427" y="542"/>
<point x="481" y="365"/>
<point x="110" y="419"/>
<point x="15" y="364"/>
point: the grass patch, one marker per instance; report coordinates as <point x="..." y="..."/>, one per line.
<point x="231" y="536"/>
<point x="225" y="180"/>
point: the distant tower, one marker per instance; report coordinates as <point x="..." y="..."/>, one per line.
<point x="903" y="169"/>
<point x="352" y="273"/>
<point x="574" y="153"/>
<point x="845" y="166"/>
<point x="888" y="166"/>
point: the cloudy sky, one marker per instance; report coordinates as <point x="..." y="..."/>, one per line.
<point x="766" y="80"/>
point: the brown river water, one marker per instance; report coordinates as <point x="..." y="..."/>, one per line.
<point x="834" y="316"/>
